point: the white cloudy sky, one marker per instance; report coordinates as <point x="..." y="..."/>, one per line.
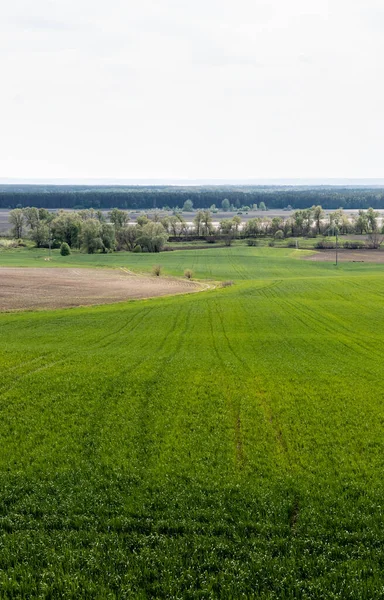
<point x="191" y="88"/>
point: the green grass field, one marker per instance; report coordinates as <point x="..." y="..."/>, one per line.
<point x="226" y="444"/>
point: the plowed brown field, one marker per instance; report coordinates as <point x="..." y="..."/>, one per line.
<point x="31" y="288"/>
<point x="373" y="256"/>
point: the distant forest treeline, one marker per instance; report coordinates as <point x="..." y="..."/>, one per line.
<point x="137" y="197"/>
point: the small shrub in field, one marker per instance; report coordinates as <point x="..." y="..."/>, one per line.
<point x="65" y="249"/>
<point x="252" y="242"/>
<point x="271" y="243"/>
<point x="279" y="235"/>
<point x="156" y="270"/>
<point x="137" y="248"/>
<point x="225" y="284"/>
<point x="354" y="244"/>
<point x="291" y="243"/>
<point x="188" y="273"/>
<point x="325" y="245"/>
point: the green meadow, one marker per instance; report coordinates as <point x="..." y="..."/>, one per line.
<point x="225" y="444"/>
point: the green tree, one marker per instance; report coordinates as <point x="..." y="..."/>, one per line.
<point x="16" y="219"/>
<point x="31" y="215"/>
<point x="226" y="226"/>
<point x="91" y="236"/>
<point x="198" y="221"/>
<point x="142" y="220"/>
<point x="152" y="237"/>
<point x="236" y="224"/>
<point x="40" y="234"/>
<point x="108" y="236"/>
<point x="45" y="215"/>
<point x="372" y="217"/>
<point x="66" y="227"/>
<point x="262" y="206"/>
<point x="225" y="205"/>
<point x="188" y="206"/>
<point x="118" y="217"/>
<point x="207" y="225"/>
<point x="126" y="237"/>
<point x="65" y="249"/>
<point x="318" y="215"/>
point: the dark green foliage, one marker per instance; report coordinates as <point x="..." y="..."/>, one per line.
<point x="65" y="249"/>
<point x="136" y="197"/>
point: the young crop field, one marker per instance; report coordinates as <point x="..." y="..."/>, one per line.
<point x="224" y="444"/>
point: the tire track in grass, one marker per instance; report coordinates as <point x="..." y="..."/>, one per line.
<point x="235" y="409"/>
<point x="318" y="322"/>
<point x="15" y="380"/>
<point x="115" y="333"/>
<point x="91" y="446"/>
<point x="267" y="409"/>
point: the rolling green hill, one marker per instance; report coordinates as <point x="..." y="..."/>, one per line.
<point x="226" y="444"/>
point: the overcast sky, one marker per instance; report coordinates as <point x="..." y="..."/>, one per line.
<point x="191" y="88"/>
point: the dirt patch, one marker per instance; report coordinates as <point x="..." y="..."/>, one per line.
<point x="31" y="288"/>
<point x="372" y="256"/>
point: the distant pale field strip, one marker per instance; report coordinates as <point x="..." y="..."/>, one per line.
<point x="31" y="288"/>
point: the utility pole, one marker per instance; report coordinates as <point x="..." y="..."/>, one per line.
<point x="337" y="231"/>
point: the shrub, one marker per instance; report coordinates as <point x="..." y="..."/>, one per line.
<point x="354" y="244"/>
<point x="325" y="245"/>
<point x="156" y="270"/>
<point x="292" y="244"/>
<point x="225" y="284"/>
<point x="137" y="248"/>
<point x="271" y="243"/>
<point x="279" y="235"/>
<point x="188" y="273"/>
<point x="252" y="242"/>
<point x="65" y="249"/>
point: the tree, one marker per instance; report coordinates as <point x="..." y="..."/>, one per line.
<point x="142" y="220"/>
<point x="90" y="237"/>
<point x="236" y="224"/>
<point x="198" y="221"/>
<point x="108" y="237"/>
<point x="118" y="217"/>
<point x="188" y="206"/>
<point x="276" y="224"/>
<point x="361" y="222"/>
<point x="262" y="206"/>
<point x="372" y="217"/>
<point x="65" y="249"/>
<point x="207" y="225"/>
<point x="16" y="218"/>
<point x="152" y="237"/>
<point x="126" y="237"/>
<point x="253" y="227"/>
<point x="40" y="234"/>
<point x="31" y="215"/>
<point x="177" y="225"/>
<point x="226" y="226"/>
<point x="225" y="205"/>
<point x="318" y="215"/>
<point x="45" y="215"/>
<point x="66" y="227"/>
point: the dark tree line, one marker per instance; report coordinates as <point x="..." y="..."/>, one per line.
<point x="147" y="197"/>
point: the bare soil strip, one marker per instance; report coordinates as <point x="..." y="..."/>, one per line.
<point x="35" y="288"/>
<point x="372" y="256"/>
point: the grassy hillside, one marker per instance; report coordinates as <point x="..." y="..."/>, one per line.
<point x="226" y="444"/>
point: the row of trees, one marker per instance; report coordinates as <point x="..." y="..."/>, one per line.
<point x="91" y="231"/>
<point x="201" y="197"/>
<point x="313" y="221"/>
